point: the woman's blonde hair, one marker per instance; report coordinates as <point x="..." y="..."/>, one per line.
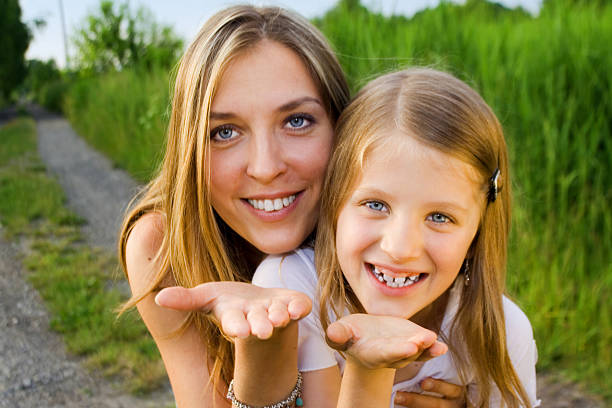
<point x="198" y="246"/>
<point x="442" y="112"/>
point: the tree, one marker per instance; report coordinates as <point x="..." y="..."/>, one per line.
<point x="114" y="39"/>
<point x="14" y="40"/>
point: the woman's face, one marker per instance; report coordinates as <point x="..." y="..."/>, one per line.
<point x="270" y="143"/>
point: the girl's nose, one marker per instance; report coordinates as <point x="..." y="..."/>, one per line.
<point x="266" y="158"/>
<point x="402" y="240"/>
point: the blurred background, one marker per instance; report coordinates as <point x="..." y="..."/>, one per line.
<point x="545" y="67"/>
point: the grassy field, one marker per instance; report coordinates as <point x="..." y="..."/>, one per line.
<point x="74" y="280"/>
<point x="548" y="79"/>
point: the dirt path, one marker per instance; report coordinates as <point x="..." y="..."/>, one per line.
<point x="35" y="370"/>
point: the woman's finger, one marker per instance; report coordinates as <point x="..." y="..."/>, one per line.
<point x="449" y="390"/>
<point x="278" y="314"/>
<point x="179" y="298"/>
<point x="259" y="322"/>
<point x="234" y="323"/>
<point x="299" y="307"/>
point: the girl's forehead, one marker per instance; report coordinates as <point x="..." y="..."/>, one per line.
<point x="398" y="148"/>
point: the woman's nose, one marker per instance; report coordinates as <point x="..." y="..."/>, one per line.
<point x="266" y="157"/>
<point x="402" y="240"/>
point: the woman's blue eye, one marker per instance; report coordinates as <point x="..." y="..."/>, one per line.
<point x="439" y="218"/>
<point x="376" y="206"/>
<point x="224" y="133"/>
<point x="299" y="121"/>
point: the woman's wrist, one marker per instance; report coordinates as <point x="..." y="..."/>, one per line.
<point x="265" y="371"/>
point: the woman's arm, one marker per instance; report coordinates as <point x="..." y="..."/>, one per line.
<point x="184" y="354"/>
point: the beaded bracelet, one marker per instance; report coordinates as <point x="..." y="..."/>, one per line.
<point x="295" y="396"/>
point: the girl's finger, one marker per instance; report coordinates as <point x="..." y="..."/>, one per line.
<point x="278" y="314"/>
<point x="449" y="390"/>
<point x="436" y="350"/>
<point x="259" y="322"/>
<point x="339" y="336"/>
<point x="234" y="323"/>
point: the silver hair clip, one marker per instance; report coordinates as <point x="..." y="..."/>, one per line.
<point x="493" y="186"/>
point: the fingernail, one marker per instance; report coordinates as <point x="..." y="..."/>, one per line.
<point x="426" y="385"/>
<point x="156" y="301"/>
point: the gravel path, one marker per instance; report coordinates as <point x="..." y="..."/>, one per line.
<point x="35" y="370"/>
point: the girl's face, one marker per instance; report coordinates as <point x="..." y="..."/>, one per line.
<point x="270" y="143"/>
<point x="404" y="232"/>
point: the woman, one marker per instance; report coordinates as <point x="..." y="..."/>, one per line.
<point x="255" y="100"/>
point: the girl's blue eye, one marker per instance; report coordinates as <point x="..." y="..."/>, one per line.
<point x="439" y="218"/>
<point x="376" y="205"/>
<point x="223" y="134"/>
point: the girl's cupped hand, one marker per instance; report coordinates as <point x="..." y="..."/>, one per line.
<point x="383" y="341"/>
<point x="239" y="309"/>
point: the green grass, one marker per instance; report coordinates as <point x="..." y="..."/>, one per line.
<point x="75" y="281"/>
<point x="547" y="78"/>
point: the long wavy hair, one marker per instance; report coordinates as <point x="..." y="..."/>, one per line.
<point x="198" y="246"/>
<point x="444" y="113"/>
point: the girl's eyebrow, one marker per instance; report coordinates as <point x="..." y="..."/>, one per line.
<point x="289" y="106"/>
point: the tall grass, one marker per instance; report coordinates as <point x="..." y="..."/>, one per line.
<point x="549" y="81"/>
<point x="124" y="115"/>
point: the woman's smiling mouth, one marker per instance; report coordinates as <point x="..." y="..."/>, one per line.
<point x="272" y="204"/>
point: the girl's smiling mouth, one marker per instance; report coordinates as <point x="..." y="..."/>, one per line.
<point x="391" y="280"/>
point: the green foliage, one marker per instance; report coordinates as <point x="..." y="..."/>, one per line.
<point x="123" y="114"/>
<point x="115" y="39"/>
<point x="14" y="40"/>
<point x="75" y="281"/>
<point x="46" y="85"/>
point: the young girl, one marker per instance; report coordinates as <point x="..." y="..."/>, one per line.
<point x="414" y="225"/>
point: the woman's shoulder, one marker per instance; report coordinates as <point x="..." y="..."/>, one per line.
<point x="142" y="249"/>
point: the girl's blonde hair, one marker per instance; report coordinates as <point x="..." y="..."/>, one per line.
<point x="442" y="112"/>
<point x="198" y="246"/>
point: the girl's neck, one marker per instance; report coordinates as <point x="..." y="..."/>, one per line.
<point x="431" y="317"/>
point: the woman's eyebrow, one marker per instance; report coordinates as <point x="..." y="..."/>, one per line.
<point x="297" y="102"/>
<point x="221" y="116"/>
<point x="289" y="106"/>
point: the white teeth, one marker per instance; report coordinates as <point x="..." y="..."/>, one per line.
<point x="397" y="282"/>
<point x="270" y="205"/>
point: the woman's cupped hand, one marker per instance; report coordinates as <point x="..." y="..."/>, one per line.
<point x="240" y="309"/>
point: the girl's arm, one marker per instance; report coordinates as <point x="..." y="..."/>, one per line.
<point x="375" y="346"/>
<point x="184" y="354"/>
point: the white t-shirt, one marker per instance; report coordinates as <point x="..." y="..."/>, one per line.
<point x="296" y="271"/>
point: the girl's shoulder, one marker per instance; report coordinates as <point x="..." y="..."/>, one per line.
<point x="517" y="322"/>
